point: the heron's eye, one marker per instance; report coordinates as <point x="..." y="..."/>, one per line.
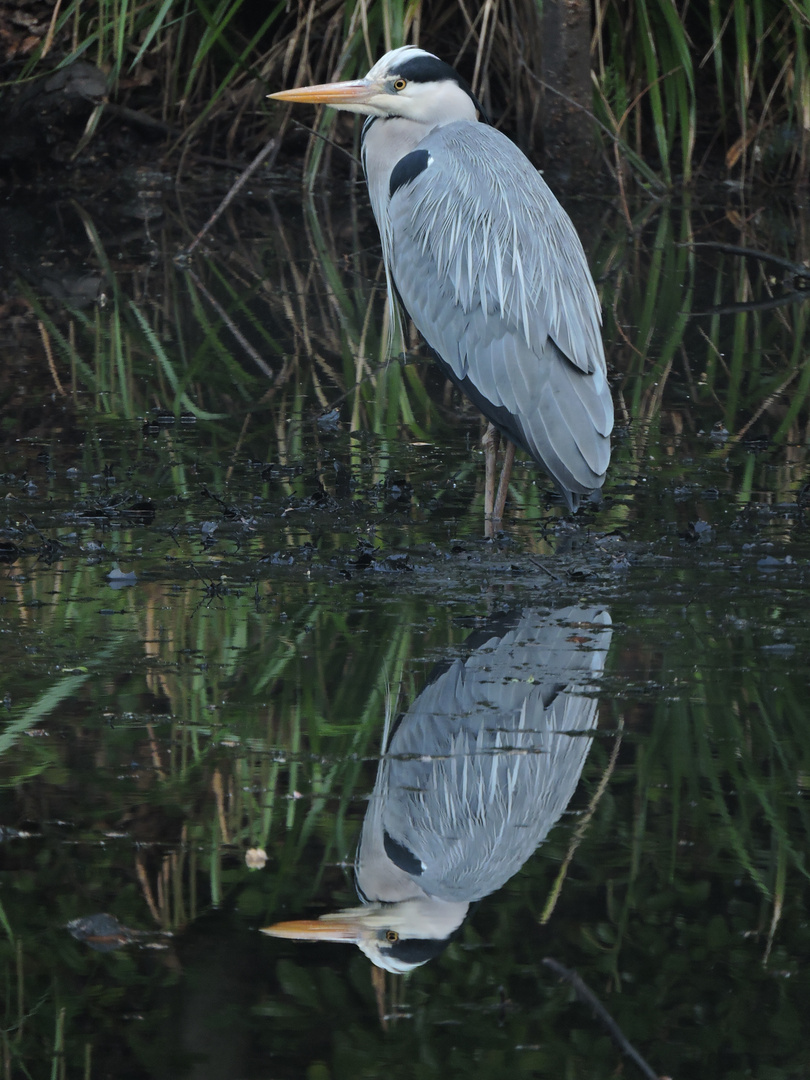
<point x="400" y="84"/>
<point x="391" y="936"/>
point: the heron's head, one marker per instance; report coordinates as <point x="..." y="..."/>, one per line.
<point x="398" y="937"/>
<point x="407" y="82"/>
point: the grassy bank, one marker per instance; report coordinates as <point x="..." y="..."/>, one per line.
<point x="678" y="89"/>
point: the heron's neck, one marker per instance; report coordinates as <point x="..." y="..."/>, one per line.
<point x="385" y="142"/>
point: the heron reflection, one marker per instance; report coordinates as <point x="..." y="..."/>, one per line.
<point x="470" y="781"/>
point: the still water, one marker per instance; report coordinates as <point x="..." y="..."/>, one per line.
<point x="242" y="553"/>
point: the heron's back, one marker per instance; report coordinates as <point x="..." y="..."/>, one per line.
<point x="491" y="270"/>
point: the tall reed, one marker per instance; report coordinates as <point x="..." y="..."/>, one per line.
<point x="676" y="85"/>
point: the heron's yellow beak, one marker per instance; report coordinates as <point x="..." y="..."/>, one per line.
<point x="356" y="92"/>
<point x="342" y="926"/>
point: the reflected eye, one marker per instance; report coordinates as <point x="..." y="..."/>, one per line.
<point x="391" y="936"/>
<point x="400" y="84"/>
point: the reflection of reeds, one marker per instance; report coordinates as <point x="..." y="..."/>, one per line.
<point x="267" y="746"/>
<point x="690" y="344"/>
<point x="701" y="354"/>
<point x="722" y="736"/>
<point x="231" y="727"/>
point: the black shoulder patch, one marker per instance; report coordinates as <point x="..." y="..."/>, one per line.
<point x="400" y="856"/>
<point x="407" y="169"/>
<point x="418" y="950"/>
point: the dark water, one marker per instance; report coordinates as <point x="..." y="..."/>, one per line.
<point x="225" y="564"/>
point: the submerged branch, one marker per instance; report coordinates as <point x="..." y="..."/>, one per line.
<point x="795" y="296"/>
<point x="587" y="997"/>
<point x="238" y="184"/>
<point x="798" y="270"/>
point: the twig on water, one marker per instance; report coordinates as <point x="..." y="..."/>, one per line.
<point x="545" y="569"/>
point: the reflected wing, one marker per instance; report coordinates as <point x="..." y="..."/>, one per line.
<point x="487" y="758"/>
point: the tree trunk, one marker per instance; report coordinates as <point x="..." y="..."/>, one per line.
<point x="569" y="133"/>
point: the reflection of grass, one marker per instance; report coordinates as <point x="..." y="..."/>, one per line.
<point x="234" y="727"/>
<point x="683" y="372"/>
<point x="320" y="325"/>
<point x="264" y="746"/>
<point x="714" y="784"/>
<point x="45" y="704"/>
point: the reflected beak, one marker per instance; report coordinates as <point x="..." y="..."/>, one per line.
<point x="357" y="92"/>
<point x="345" y="926"/>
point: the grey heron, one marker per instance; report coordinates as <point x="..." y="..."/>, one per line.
<point x="469" y="783"/>
<point x="487" y="264"/>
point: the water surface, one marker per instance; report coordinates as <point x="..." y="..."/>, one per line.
<point x="225" y="562"/>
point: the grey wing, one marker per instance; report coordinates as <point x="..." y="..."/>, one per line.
<point x="491" y="270"/>
<point x="488" y="757"/>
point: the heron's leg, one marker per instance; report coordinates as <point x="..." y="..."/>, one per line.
<point x="503" y="484"/>
<point x="490" y="444"/>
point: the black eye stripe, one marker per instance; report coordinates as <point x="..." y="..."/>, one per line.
<point x="428" y="69"/>
<point x="425" y="69"/>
